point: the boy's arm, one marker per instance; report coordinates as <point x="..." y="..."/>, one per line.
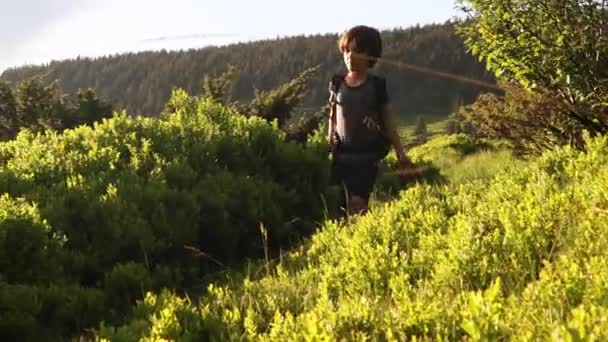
<point x="391" y="132"/>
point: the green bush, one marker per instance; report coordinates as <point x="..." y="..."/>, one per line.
<point x="137" y="204"/>
<point x="29" y="253"/>
<point x="54" y="312"/>
<point x="520" y="256"/>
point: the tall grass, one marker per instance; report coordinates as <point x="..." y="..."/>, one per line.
<point x="517" y="256"/>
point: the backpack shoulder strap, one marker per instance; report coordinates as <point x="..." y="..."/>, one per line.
<point x="381" y="100"/>
<point x="381" y="93"/>
<point x="334" y="88"/>
<point x="334" y="85"/>
<point x="380" y="88"/>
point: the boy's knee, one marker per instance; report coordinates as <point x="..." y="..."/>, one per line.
<point x="358" y="205"/>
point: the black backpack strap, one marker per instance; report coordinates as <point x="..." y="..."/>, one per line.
<point x="381" y="92"/>
<point x="334" y="88"/>
<point x="381" y="100"/>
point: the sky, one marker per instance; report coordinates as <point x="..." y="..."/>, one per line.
<point x="38" y="31"/>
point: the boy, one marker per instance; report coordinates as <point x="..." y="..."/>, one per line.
<point x="361" y="129"/>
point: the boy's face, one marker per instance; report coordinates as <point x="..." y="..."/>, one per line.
<point x="355" y="61"/>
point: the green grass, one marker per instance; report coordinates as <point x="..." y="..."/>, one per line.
<point x="481" y="165"/>
<point x="519" y="256"/>
<point x="459" y="157"/>
<point x="446" y="159"/>
<point x="434" y="128"/>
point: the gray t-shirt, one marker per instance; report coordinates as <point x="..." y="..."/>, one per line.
<point x="358" y="112"/>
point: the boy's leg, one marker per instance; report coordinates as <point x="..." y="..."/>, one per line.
<point x="338" y="175"/>
<point x="361" y="184"/>
<point x="358" y="205"/>
<point x="357" y="178"/>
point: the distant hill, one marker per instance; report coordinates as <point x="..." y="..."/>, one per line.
<point x="142" y="82"/>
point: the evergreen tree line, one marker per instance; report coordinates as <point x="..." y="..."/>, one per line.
<point x="142" y="82"/>
<point x="38" y="106"/>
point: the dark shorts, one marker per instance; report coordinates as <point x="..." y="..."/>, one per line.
<point x="358" y="176"/>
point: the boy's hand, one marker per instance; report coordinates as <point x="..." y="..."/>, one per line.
<point x="406" y="166"/>
<point x="404" y="161"/>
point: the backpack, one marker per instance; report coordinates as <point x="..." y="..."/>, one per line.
<point x="381" y="145"/>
